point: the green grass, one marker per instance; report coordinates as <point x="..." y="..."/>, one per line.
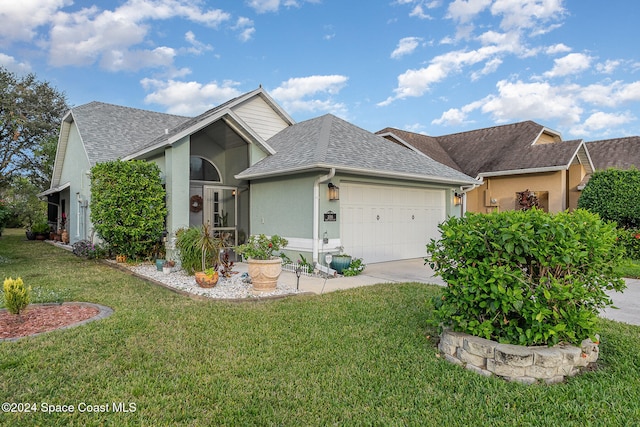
<point x="630" y="268"/>
<point x="357" y="357"/>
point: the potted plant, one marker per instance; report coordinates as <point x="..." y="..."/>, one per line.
<point x="209" y="248"/>
<point x="159" y="253"/>
<point x="264" y="267"/>
<point x="341" y="261"/>
<point x="41" y="230"/>
<point x="168" y="266"/>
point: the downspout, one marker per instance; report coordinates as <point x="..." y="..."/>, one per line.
<point x="316" y="212"/>
<point x="463" y="192"/>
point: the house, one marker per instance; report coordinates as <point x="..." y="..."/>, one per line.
<point x="246" y="167"/>
<point x="508" y="160"/>
<point x="620" y="153"/>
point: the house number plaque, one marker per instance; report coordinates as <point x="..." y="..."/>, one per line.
<point x="330" y="216"/>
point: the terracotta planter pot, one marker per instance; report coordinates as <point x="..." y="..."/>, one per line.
<point x="121" y="259"/>
<point x="264" y="273"/>
<point x="65" y="237"/>
<point x="205" y="281"/>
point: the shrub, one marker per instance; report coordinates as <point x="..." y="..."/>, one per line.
<point x="16" y="295"/>
<point x="128" y="206"/>
<point x="612" y="194"/>
<point x="629" y="239"/>
<point x="525" y="277"/>
<point x="4" y="214"/>
<point x="86" y="249"/>
<point x="190" y="253"/>
<point x="354" y="268"/>
<point x="261" y="246"/>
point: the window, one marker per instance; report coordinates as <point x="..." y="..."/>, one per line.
<point x="202" y="170"/>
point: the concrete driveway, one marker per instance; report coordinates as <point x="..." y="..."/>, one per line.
<point x="414" y="270"/>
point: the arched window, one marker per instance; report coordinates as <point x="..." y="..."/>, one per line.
<point x="202" y="170"/>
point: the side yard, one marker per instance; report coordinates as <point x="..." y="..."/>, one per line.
<point x="363" y="356"/>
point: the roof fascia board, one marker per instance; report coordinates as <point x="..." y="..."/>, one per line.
<point x="273" y="104"/>
<point x="61" y="148"/>
<point x="403" y="142"/>
<point x="523" y="171"/>
<point x="254" y="137"/>
<point x="359" y="171"/>
<point x="212" y="118"/>
<point x="546" y="130"/>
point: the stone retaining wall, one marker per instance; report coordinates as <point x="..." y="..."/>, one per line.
<point x="514" y="362"/>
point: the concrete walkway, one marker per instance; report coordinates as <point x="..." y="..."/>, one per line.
<point x="414" y="270"/>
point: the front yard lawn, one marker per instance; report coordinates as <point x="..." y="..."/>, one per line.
<point x="360" y="357"/>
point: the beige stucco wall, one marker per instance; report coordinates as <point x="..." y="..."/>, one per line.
<point x="503" y="190"/>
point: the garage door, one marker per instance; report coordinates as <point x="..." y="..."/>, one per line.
<point x="385" y="223"/>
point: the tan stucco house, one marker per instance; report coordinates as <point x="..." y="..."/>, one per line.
<point x="507" y="160"/>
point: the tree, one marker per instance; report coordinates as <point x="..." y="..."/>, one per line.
<point x="128" y="206"/>
<point x="30" y="115"/>
<point x="613" y="194"/>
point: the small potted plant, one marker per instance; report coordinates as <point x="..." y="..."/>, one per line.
<point x="41" y="230"/>
<point x="341" y="261"/>
<point x="264" y="266"/>
<point x="168" y="265"/>
<point x="209" y="248"/>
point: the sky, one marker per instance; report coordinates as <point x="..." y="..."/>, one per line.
<point x="429" y="66"/>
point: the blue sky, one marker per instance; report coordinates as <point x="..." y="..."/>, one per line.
<point x="428" y="66"/>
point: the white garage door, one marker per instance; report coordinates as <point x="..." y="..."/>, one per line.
<point x="385" y="223"/>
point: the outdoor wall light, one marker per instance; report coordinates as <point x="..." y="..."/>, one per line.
<point x="334" y="192"/>
<point x="457" y="199"/>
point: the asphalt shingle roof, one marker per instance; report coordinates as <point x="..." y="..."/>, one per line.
<point x="328" y="141"/>
<point x="494" y="149"/>
<point x="111" y="131"/>
<point x="621" y="153"/>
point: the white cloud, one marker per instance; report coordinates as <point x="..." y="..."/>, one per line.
<point x="264" y="6"/>
<point x="93" y="35"/>
<point x="246" y="28"/>
<point x="197" y="47"/>
<point x="13" y="65"/>
<point x="490" y="67"/>
<point x="406" y="46"/>
<point x="464" y="11"/>
<point x="608" y="67"/>
<point x="188" y="98"/>
<point x="451" y="117"/>
<point x="532" y="101"/>
<point x="294" y="94"/>
<point x="418" y="12"/>
<point x="414" y="83"/>
<point x="557" y="48"/>
<point x="610" y="95"/>
<point x="573" y="63"/>
<point x="526" y="14"/>
<point x="21" y="18"/>
<point x="600" y="121"/>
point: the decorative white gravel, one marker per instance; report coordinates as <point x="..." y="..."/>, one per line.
<point x="236" y="287"/>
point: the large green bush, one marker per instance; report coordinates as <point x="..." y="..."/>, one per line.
<point x="128" y="206"/>
<point x="525" y="277"/>
<point x="613" y="194"/>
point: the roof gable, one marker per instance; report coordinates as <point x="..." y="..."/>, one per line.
<point x="225" y="111"/>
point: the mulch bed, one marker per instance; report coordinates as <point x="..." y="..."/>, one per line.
<point x="43" y="318"/>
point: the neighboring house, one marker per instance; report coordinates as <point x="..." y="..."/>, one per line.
<point x="508" y="160"/>
<point x="619" y="153"/>
<point x="246" y="167"/>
